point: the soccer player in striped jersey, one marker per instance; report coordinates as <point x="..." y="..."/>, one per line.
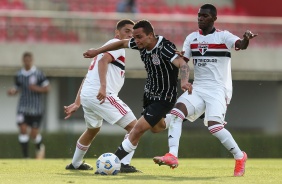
<point x="32" y="84"/>
<point x="162" y="65"/>
<point x="210" y="49"/>
<point x="98" y="96"/>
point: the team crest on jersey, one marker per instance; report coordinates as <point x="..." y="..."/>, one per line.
<point x="155" y="59"/>
<point x="203" y="47"/>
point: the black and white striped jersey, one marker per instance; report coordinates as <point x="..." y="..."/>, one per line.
<point x="30" y="102"/>
<point x="162" y="74"/>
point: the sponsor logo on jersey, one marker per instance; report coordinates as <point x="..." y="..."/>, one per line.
<point x="203" y="62"/>
<point x="155" y="59"/>
<point x="195" y="40"/>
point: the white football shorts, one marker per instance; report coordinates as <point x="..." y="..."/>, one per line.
<point x="210" y="102"/>
<point x="113" y="110"/>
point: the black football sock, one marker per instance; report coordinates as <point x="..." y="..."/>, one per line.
<point x="24" y="149"/>
<point x="37" y="145"/>
<point x="120" y="152"/>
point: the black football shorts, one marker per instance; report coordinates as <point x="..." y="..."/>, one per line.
<point x="154" y="111"/>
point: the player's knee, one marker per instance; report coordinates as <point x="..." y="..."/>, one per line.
<point x="92" y="132"/>
<point x="130" y="126"/>
<point x="159" y="127"/>
<point x="156" y="130"/>
<point x="215" y="122"/>
<point x="138" y="131"/>
<point x="181" y="107"/>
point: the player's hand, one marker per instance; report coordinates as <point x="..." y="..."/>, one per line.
<point x="249" y="35"/>
<point x="102" y="95"/>
<point x="12" y="91"/>
<point x="69" y="110"/>
<point x="187" y="87"/>
<point x="180" y="53"/>
<point x="91" y="53"/>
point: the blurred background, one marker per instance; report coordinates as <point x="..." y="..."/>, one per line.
<point x="57" y="32"/>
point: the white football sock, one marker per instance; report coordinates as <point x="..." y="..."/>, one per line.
<point x="79" y="153"/>
<point x="167" y="121"/>
<point x="226" y="139"/>
<point x="23" y="138"/>
<point x="174" y="131"/>
<point x="128" y="146"/>
<point x="127" y="159"/>
<point x="38" y="139"/>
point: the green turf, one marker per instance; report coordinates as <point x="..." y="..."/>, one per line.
<point x="189" y="171"/>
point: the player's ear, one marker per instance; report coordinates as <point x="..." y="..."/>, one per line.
<point x="214" y="18"/>
<point x="117" y="33"/>
<point x="151" y="34"/>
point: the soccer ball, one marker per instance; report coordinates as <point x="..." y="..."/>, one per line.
<point x="108" y="164"/>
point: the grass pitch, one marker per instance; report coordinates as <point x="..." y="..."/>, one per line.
<point x="189" y="171"/>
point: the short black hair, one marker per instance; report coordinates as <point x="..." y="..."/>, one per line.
<point x="210" y="7"/>
<point x="123" y="22"/>
<point x="146" y="25"/>
<point x="27" y="54"/>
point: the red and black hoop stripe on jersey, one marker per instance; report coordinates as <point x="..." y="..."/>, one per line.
<point x="116" y="63"/>
<point x="216" y="50"/>
<point x="119" y="62"/>
<point x="210" y="46"/>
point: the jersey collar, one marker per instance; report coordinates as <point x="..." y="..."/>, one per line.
<point x="212" y="31"/>
<point x="160" y="38"/>
<point x="28" y="72"/>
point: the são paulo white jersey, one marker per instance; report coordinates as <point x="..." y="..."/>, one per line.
<point x="115" y="73"/>
<point x="212" y="59"/>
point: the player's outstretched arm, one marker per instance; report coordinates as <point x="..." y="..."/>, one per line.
<point x="184" y="74"/>
<point x="244" y="43"/>
<point x="113" y="46"/>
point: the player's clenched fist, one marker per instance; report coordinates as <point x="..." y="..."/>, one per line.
<point x="91" y="53"/>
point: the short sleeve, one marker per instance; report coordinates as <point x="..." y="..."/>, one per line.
<point x="230" y="39"/>
<point x="132" y="44"/>
<point x="42" y="79"/>
<point x="187" y="47"/>
<point x="168" y="51"/>
<point x="115" y="53"/>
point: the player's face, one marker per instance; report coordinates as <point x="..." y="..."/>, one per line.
<point x="205" y="19"/>
<point x="27" y="62"/>
<point x="125" y="32"/>
<point x="141" y="39"/>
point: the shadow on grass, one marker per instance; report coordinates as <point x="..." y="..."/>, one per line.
<point x="137" y="176"/>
